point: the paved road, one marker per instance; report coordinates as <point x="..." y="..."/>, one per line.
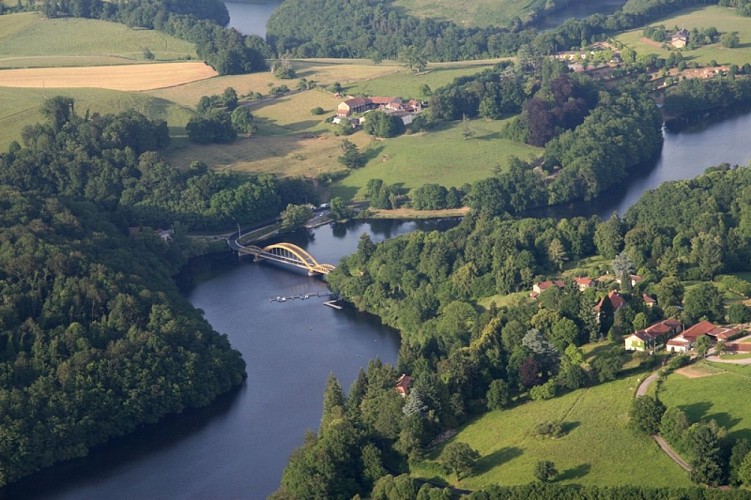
<point x="717" y="359"/>
<point x="674" y="456"/>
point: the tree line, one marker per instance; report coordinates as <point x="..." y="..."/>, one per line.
<point x="112" y="160"/>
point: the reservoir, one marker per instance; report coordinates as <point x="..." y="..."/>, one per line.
<point x="578" y="9"/>
<point x="250" y="18"/>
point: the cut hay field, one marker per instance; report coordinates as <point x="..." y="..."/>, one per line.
<point x="20" y="107"/>
<point x="408" y="85"/>
<point x="477" y="13"/>
<point x="134" y="77"/>
<point x="722" y="18"/>
<point x="30" y="40"/>
<point x="440" y="156"/>
<point x="598" y="449"/>
<point x="323" y="71"/>
<point x="722" y="397"/>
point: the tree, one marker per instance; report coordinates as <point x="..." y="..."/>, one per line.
<point x="744" y="471"/>
<point x="557" y="253"/>
<point x="242" y="120"/>
<point x="669" y="291"/>
<point x="609" y="237"/>
<point x="673" y="425"/>
<point x="334" y="403"/>
<point x="545" y="471"/>
<point x="730" y="40"/>
<point x="645" y="414"/>
<point x="640" y="321"/>
<point x="339" y="209"/>
<point x="295" y="216"/>
<point x="704" y="439"/>
<point x="623" y="268"/>
<point x="740" y="451"/>
<point x="58" y="111"/>
<point x="738" y="313"/>
<point x="229" y="99"/>
<point x="459" y="458"/>
<point x="412" y="58"/>
<point x="147" y="54"/>
<point x="702" y="345"/>
<point x="380" y="124"/>
<point x="607" y="364"/>
<point x="351" y="156"/>
<point x="499" y="395"/>
<point x="704" y="300"/>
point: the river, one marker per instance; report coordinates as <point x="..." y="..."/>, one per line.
<point x="251" y="18"/>
<point x="578" y="9"/>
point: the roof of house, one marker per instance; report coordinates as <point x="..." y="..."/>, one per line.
<point x="356" y="101"/>
<point x="647" y="299"/>
<point x="616" y="300"/>
<point x="403" y="383"/>
<point x="699" y="329"/>
<point x="583" y="281"/>
<point x="672" y="322"/>
<point x="641" y="335"/>
<point x="659" y="329"/>
<point x="724" y="332"/>
<point x="544" y="285"/>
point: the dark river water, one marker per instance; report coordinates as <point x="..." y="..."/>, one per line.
<point x="250" y="18"/>
<point x="578" y="9"/>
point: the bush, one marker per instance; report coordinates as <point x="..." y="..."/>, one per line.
<point x="317" y="110"/>
<point x="542" y="392"/>
<point x="545" y="471"/>
<point x="550" y="429"/>
<point x="646" y="414"/>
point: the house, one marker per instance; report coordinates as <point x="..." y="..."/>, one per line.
<point x="403" y="384"/>
<point x="634" y="278"/>
<point x="687" y="340"/>
<point x="725" y="333"/>
<point x="653" y="336"/>
<point x="616" y="300"/>
<point x="583" y="283"/>
<point x="540" y="287"/>
<point x="648" y="301"/>
<point x="363" y="104"/>
<point x="679" y="39"/>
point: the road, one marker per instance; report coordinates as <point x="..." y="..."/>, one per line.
<point x="669" y="451"/>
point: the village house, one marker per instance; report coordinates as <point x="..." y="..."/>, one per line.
<point x="616" y="300"/>
<point x="540" y="287"/>
<point x="653" y="336"/>
<point x="648" y="301"/>
<point x="403" y="384"/>
<point x="687" y="340"/>
<point x="583" y="283"/>
<point x="679" y="39"/>
<point x="634" y="279"/>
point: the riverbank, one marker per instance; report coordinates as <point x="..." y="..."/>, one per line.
<point x="413" y="214"/>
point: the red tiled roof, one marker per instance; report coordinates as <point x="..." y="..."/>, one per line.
<point x="698" y="330"/>
<point x="615" y="299"/>
<point x="647" y="299"/>
<point x="672" y="323"/>
<point x="724" y="332"/>
<point x="403" y="383"/>
<point x="679" y="340"/>
<point x="356" y="101"/>
<point x="583" y="281"/>
<point x="641" y="335"/>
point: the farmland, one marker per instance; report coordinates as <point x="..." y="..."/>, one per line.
<point x="597" y="449"/>
<point x="478" y="13"/>
<point x="722" y="18"/>
<point x="31" y="40"/>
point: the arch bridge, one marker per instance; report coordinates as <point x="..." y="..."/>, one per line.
<point x="289" y="254"/>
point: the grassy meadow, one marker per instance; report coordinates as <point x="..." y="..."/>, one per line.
<point x="477" y="13"/>
<point x="20" y="107"/>
<point x="441" y="156"/>
<point x="722" y="18"/>
<point x="721" y="396"/>
<point x="597" y="449"/>
<point x="29" y="39"/>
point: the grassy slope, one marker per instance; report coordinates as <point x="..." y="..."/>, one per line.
<point x="477" y="13"/>
<point x="722" y="397"/>
<point x="598" y="449"/>
<point x="441" y="156"/>
<point x="722" y="18"/>
<point x="31" y="40"/>
<point x="20" y="107"/>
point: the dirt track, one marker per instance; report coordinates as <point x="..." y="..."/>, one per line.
<point x="132" y="77"/>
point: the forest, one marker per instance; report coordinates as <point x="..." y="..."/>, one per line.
<point x="465" y="359"/>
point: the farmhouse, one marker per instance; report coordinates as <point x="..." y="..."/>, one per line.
<point x="648" y="301"/>
<point x="679" y="39"/>
<point x="653" y="336"/>
<point x="540" y="287"/>
<point x="687" y="340"/>
<point x="583" y="283"/>
<point x="616" y="300"/>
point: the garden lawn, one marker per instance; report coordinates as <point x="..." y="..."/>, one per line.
<point x="722" y="397"/>
<point x="20" y="107"/>
<point x="440" y="156"/>
<point x="597" y="450"/>
<point x="408" y="85"/>
<point x="31" y="40"/>
<point x="722" y="18"/>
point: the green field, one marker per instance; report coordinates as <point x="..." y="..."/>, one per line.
<point x="477" y="13"/>
<point x="408" y="85"/>
<point x="30" y="40"/>
<point x="722" y="397"/>
<point x="598" y="449"/>
<point x="20" y="107"/>
<point x="722" y="18"/>
<point x="440" y="156"/>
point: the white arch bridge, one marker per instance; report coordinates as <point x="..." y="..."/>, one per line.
<point x="285" y="253"/>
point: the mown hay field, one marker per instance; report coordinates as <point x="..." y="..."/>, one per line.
<point x="722" y="18"/>
<point x="134" y="77"/>
<point x="476" y="13"/>
<point x="20" y="107"/>
<point x="598" y="448"/>
<point x="29" y="39"/>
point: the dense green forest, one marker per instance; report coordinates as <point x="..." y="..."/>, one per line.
<point x="94" y="337"/>
<point x="375" y="29"/>
<point x="465" y="359"/>
<point x="112" y="160"/>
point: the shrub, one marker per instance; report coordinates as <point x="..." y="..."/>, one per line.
<point x="550" y="429"/>
<point x="317" y="110"/>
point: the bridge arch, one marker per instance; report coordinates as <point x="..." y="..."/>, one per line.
<point x="297" y="256"/>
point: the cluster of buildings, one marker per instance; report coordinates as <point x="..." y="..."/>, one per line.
<point x="390" y="105"/>
<point x="670" y="334"/>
